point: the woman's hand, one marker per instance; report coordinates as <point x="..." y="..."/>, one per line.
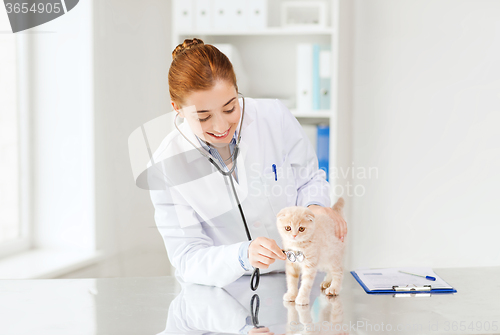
<point x="263" y="251"/>
<point x="262" y="331"/>
<point x="340" y="224"/>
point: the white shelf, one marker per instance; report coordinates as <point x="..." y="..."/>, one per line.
<point x="323" y="114"/>
<point x="271" y="31"/>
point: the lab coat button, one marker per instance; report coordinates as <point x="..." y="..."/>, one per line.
<point x="256" y="224"/>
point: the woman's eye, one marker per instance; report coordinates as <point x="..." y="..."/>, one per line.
<point x="208" y="117"/>
<point x="287" y="228"/>
<point x="301" y="229"/>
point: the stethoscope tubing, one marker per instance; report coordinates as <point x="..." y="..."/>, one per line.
<point x="255" y="278"/>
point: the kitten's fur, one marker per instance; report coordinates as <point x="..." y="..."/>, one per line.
<point x="323" y="251"/>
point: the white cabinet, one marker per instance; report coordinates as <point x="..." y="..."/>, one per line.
<point x="267" y="66"/>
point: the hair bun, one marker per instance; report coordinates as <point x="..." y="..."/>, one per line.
<point x="186" y="45"/>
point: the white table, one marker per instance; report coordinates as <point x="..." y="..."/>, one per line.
<point x="153" y="305"/>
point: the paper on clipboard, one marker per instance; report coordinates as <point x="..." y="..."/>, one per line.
<point x="385" y="279"/>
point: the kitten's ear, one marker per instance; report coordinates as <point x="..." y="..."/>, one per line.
<point x="281" y="213"/>
<point x="310" y="215"/>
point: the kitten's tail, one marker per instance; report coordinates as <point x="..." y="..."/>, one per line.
<point x="339" y="206"/>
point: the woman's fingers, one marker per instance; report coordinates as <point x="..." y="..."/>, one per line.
<point x="270" y="249"/>
<point x="264" y="256"/>
<point x="345" y="228"/>
<point x="261" y="265"/>
<point x="263" y="252"/>
<point x="263" y="330"/>
<point x="340" y="225"/>
<point x="276" y="250"/>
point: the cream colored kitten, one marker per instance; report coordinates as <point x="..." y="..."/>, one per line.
<point x="330" y="315"/>
<point x="315" y="237"/>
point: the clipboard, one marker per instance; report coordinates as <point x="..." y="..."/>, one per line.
<point x="405" y="283"/>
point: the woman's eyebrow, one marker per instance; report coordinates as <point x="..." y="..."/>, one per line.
<point x="227" y="103"/>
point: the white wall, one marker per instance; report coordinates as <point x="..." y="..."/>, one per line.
<point x="132" y="56"/>
<point x="59" y="100"/>
<point x="96" y="74"/>
<point x="426" y="112"/>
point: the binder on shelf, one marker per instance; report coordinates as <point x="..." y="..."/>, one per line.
<point x="221" y="14"/>
<point x="203" y="15"/>
<point x="304" y="77"/>
<point x="323" y="148"/>
<point x="315" y="79"/>
<point x="184" y="15"/>
<point x="390" y="280"/>
<point x="230" y="15"/>
<point x="325" y="61"/>
<point x="238" y="15"/>
<point x="321" y="76"/>
<point x="257" y="14"/>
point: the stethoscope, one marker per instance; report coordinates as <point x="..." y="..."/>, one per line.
<point x="255" y="279"/>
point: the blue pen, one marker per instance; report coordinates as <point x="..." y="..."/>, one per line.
<point x="275" y="173"/>
<point x="426" y="277"/>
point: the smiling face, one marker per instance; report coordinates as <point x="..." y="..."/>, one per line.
<point x="213" y="114"/>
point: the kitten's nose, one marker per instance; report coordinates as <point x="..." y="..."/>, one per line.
<point x="294" y="236"/>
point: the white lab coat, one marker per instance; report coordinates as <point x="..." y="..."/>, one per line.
<point x="195" y="210"/>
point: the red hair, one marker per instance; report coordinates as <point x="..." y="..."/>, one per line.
<point x="197" y="66"/>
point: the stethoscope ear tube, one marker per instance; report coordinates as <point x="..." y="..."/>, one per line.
<point x="255" y="279"/>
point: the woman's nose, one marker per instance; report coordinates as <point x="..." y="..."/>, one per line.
<point x="219" y="124"/>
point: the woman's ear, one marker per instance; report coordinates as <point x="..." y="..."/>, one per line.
<point x="177" y="109"/>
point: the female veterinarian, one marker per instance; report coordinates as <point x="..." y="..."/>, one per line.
<point x="218" y="221"/>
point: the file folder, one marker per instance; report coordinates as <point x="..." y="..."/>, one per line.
<point x="304" y="84"/>
<point x="203" y="15"/>
<point x="184" y="15"/>
<point x="321" y="76"/>
<point x="375" y="281"/>
<point x="323" y="148"/>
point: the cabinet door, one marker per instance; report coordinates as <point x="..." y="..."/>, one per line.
<point x="184" y="14"/>
<point x="203" y="15"/>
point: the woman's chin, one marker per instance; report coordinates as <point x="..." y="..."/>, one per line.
<point x="219" y="144"/>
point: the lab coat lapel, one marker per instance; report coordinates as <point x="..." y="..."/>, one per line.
<point x="186" y="146"/>
<point x="218" y="198"/>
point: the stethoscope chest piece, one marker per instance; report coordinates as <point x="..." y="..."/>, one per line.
<point x="294" y="256"/>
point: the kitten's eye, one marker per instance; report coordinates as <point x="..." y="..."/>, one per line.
<point x="287" y="228"/>
<point x="301" y="229"/>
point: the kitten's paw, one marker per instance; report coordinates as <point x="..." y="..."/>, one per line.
<point x="302" y="308"/>
<point x="332" y="290"/>
<point x="302" y="300"/>
<point x="289" y="296"/>
<point x="325" y="284"/>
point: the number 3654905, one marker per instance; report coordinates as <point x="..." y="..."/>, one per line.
<point x="34" y="8"/>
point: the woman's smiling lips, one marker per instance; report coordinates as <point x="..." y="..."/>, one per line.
<point x="224" y="135"/>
